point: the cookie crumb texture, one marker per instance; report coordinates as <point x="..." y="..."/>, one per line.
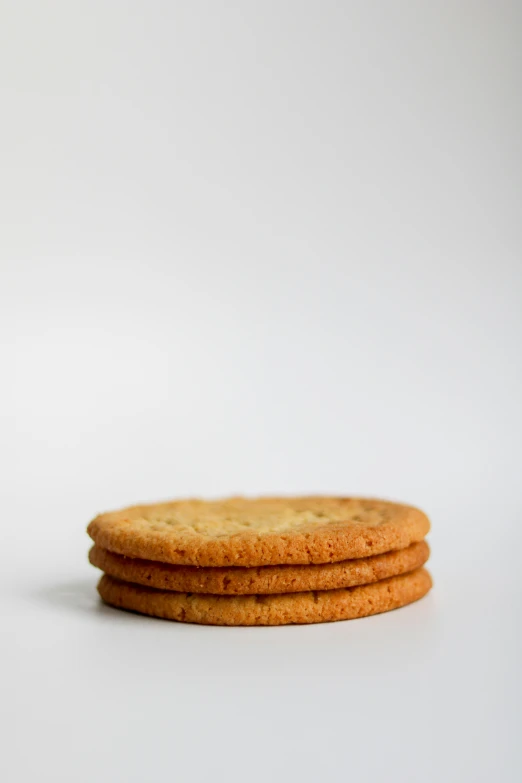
<point x="285" y="609"/>
<point x="263" y="580"/>
<point x="258" y="532"/>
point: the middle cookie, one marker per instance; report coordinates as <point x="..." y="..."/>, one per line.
<point x="263" y="580"/>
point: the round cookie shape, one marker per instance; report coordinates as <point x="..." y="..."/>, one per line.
<point x="258" y="532"/>
<point x="264" y="580"/>
<point x="280" y="609"/>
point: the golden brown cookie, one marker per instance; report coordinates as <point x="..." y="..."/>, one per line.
<point x="281" y="609"/>
<point x="258" y="532"/>
<point x="262" y="580"/>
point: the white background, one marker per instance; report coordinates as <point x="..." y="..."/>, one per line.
<point x="248" y="248"/>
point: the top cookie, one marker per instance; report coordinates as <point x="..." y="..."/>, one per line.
<point x="257" y="532"/>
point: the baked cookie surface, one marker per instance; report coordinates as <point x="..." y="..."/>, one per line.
<point x="259" y="532"/>
<point x="238" y="580"/>
<point x="280" y="609"/>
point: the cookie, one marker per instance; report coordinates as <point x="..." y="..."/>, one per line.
<point x="281" y="609"/>
<point x="259" y="532"/>
<point x="263" y="580"/>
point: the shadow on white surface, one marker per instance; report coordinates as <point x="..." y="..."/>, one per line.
<point x="76" y="595"/>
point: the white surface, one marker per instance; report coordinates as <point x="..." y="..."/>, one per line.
<point x="269" y="248"/>
<point x="432" y="690"/>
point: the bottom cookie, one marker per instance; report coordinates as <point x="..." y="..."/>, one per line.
<point x="281" y="609"/>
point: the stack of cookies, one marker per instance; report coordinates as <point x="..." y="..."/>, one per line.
<point x="266" y="561"/>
